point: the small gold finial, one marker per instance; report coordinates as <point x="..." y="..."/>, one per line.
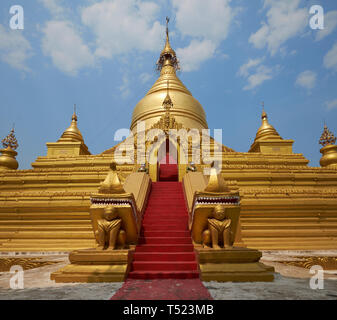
<point x="264" y="114"/>
<point x="7" y="156"/>
<point x="74" y="117"/>
<point x="327" y="137"/>
<point x="10" y="141"/>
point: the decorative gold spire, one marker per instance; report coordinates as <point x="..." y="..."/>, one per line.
<point x="167" y="120"/>
<point x="10" y="141"/>
<point x="266" y="131"/>
<point x="188" y="111"/>
<point x="168" y="56"/>
<point x="112" y="183"/>
<point x="167" y="103"/>
<point x="216" y="183"/>
<point x="7" y="158"/>
<point x="327" y="137"/>
<point x="72" y="133"/>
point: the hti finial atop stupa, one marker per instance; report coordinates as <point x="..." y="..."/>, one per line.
<point x="10" y="141"/>
<point x="72" y="133"/>
<point x="168" y="56"/>
<point x="327" y="137"/>
<point x="7" y="155"/>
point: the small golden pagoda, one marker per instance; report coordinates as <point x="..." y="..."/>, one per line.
<point x="284" y="203"/>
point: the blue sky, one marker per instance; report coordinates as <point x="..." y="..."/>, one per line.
<point x="101" y="55"/>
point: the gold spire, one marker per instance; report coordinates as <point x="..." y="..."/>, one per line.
<point x="7" y="157"/>
<point x="216" y="183"/>
<point x="187" y="110"/>
<point x="329" y="149"/>
<point x="72" y="133"/>
<point x="327" y="137"/>
<point x="10" y="141"/>
<point x="168" y="56"/>
<point x="266" y="131"/>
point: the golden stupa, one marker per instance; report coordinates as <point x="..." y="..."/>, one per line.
<point x="187" y="110"/>
<point x="284" y="203"/>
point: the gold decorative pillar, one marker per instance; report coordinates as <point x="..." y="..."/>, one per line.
<point x="329" y="150"/>
<point x="8" y="154"/>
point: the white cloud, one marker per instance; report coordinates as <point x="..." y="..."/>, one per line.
<point x="330" y="59"/>
<point x="64" y="45"/>
<point x="244" y="69"/>
<point x="331" y="104"/>
<point x="261" y="74"/>
<point x="208" y="23"/>
<point x="124" y="88"/>
<point x="306" y="79"/>
<point x="285" y="20"/>
<point x="145" y="77"/>
<point x="207" y="19"/>
<point x="330" y="23"/>
<point x="15" y="49"/>
<point x="54" y="6"/>
<point x="195" y="53"/>
<point x="255" y="73"/>
<point x="121" y="26"/>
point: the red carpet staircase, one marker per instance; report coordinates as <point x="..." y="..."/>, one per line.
<point x="165" y="249"/>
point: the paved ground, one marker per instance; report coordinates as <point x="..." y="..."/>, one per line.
<point x="290" y="283"/>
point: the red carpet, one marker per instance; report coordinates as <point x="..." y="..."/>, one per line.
<point x="162" y="289"/>
<point x="165" y="248"/>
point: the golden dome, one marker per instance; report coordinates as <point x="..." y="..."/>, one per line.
<point x="186" y="109"/>
<point x="266" y="131"/>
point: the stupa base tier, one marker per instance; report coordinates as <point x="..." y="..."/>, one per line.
<point x="235" y="264"/>
<point x="91" y="265"/>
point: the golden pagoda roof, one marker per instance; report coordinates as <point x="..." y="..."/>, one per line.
<point x="187" y="110"/>
<point x="266" y="131"/>
<point x="72" y="134"/>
